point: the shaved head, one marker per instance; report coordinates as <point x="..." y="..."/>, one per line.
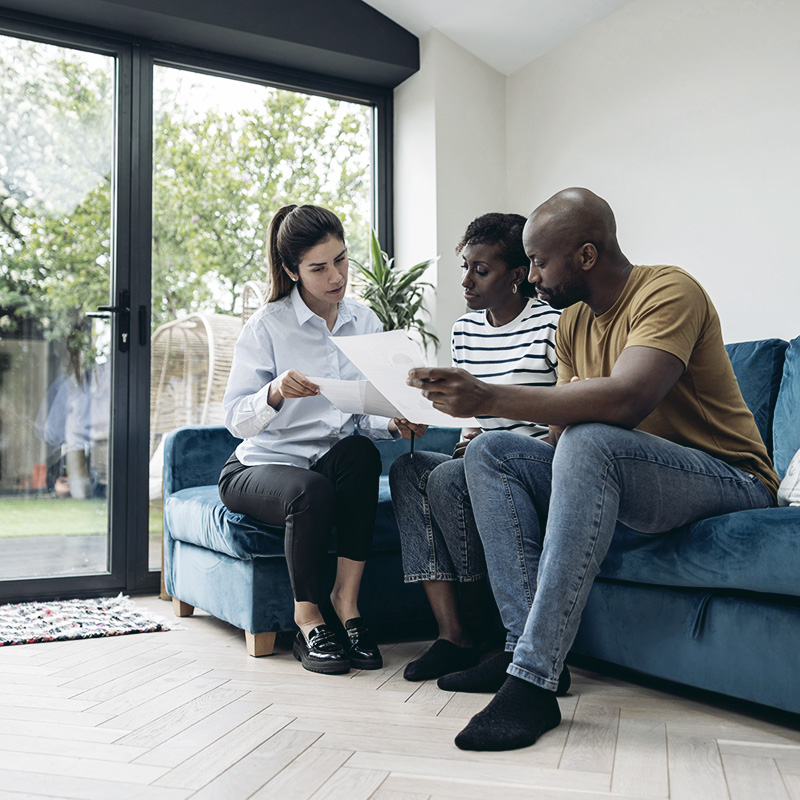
<point x="575" y="216"/>
<point x="571" y="241"/>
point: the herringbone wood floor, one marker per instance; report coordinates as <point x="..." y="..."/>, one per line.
<point x="189" y="714"/>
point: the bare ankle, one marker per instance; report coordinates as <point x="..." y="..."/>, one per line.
<point x="307" y="616"/>
<point x="345" y="608"/>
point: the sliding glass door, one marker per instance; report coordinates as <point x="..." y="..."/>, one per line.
<point x="136" y="189"/>
<point x="60" y="376"/>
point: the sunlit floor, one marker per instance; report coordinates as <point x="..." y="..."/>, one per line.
<point x="187" y="713"/>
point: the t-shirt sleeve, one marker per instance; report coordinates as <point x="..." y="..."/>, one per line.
<point x="566" y="369"/>
<point x="669" y="314"/>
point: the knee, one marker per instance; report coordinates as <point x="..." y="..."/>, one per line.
<point x="588" y="448"/>
<point x="363" y="452"/>
<point x="318" y="495"/>
<point x="585" y="436"/>
<point x="447" y="480"/>
<point x="491" y="447"/>
<point x="407" y="471"/>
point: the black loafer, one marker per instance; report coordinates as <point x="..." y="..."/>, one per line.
<point x="362" y="650"/>
<point x="321" y="652"/>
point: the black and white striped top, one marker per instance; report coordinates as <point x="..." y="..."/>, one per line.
<point x="522" y="353"/>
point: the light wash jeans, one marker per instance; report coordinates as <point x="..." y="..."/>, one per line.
<point x="546" y="518"/>
<point x="438" y="535"/>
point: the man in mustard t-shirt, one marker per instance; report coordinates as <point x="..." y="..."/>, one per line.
<point x="651" y="430"/>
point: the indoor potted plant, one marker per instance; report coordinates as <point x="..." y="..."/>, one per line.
<point x="395" y="296"/>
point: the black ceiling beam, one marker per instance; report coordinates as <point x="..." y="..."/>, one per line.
<point x="340" y="38"/>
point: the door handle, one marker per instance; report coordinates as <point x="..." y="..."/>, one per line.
<point x="123" y="309"/>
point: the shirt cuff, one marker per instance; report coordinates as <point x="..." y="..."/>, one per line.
<point x="264" y="412"/>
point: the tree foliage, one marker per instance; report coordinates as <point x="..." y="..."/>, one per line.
<point x="218" y="177"/>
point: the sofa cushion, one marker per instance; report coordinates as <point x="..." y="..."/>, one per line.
<point x="786" y="428"/>
<point x="756" y="550"/>
<point x="758" y="367"/>
<point x="197" y="516"/>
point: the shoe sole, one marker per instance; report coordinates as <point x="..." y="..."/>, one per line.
<point x="315" y="666"/>
<point x="373" y="663"/>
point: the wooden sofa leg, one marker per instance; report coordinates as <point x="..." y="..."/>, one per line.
<point x="259" y="644"/>
<point x="181" y="609"/>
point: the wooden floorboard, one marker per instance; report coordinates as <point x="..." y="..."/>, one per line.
<point x="189" y="714"/>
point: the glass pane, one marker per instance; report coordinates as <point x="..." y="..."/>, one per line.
<point x="56" y="166"/>
<point x="227" y="155"/>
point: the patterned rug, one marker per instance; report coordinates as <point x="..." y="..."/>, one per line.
<point x="27" y="623"/>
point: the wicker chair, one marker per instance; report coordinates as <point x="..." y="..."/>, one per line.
<point x="191" y="360"/>
<point x="254" y="295"/>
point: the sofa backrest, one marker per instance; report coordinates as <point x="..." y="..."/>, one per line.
<point x="194" y="456"/>
<point x="758" y="367"/>
<point x="436" y="439"/>
<point x="786" y="424"/>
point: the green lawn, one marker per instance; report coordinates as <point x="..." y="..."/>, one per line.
<point x="47" y="516"/>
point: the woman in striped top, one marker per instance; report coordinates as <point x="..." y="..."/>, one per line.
<point x="508" y="337"/>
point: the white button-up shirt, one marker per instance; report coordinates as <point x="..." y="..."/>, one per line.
<point x="283" y="335"/>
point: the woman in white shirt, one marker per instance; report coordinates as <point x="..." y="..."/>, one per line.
<point x="507" y="336"/>
<point x="299" y="466"/>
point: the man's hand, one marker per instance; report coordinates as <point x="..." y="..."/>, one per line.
<point x="406" y="428"/>
<point x="453" y="390"/>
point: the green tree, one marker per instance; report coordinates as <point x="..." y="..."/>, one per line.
<point x="218" y="178"/>
<point x="54" y="189"/>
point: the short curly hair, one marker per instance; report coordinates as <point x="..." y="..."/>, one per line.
<point x="505" y="230"/>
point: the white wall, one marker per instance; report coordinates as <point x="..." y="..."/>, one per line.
<point x="450" y="165"/>
<point x="685" y="116"/>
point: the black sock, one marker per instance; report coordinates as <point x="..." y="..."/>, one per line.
<point x="491" y="675"/>
<point x="564" y="681"/>
<point x="441" y="658"/>
<point x="486" y="677"/>
<point x="517" y="716"/>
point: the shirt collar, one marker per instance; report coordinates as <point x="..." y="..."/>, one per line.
<point x="304" y="313"/>
<point x="301" y="310"/>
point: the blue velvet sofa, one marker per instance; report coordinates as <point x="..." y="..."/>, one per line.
<point x="234" y="568"/>
<point x="716" y="604"/>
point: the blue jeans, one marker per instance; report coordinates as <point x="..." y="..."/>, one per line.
<point x="547" y="516"/>
<point x="438" y="535"/>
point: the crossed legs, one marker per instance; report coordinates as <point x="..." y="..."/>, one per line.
<point x="546" y="518"/>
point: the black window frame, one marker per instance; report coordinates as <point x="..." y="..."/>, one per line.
<point x="129" y="567"/>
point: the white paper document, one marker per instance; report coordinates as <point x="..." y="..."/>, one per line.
<point x="355" y="397"/>
<point x="385" y="359"/>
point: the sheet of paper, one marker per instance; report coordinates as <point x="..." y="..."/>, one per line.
<point x="385" y="358"/>
<point x="355" y="397"/>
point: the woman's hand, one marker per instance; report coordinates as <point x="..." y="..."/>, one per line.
<point x="289" y="385"/>
<point x="467" y="435"/>
<point x="406" y="428"/>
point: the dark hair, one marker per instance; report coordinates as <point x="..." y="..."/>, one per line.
<point x="505" y="230"/>
<point x="294" y="230"/>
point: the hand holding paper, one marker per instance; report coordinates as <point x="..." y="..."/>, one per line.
<point x="356" y="397"/>
<point x="385" y="359"/>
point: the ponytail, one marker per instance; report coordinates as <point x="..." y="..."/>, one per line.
<point x="280" y="284"/>
<point x="294" y="230"/>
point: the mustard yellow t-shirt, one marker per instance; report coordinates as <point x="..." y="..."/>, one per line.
<point x="667" y="309"/>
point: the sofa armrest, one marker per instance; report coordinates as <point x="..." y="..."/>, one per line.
<point x="194" y="456"/>
<point x="436" y="439"/>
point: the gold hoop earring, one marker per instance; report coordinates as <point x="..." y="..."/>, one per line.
<point x="513" y="288"/>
